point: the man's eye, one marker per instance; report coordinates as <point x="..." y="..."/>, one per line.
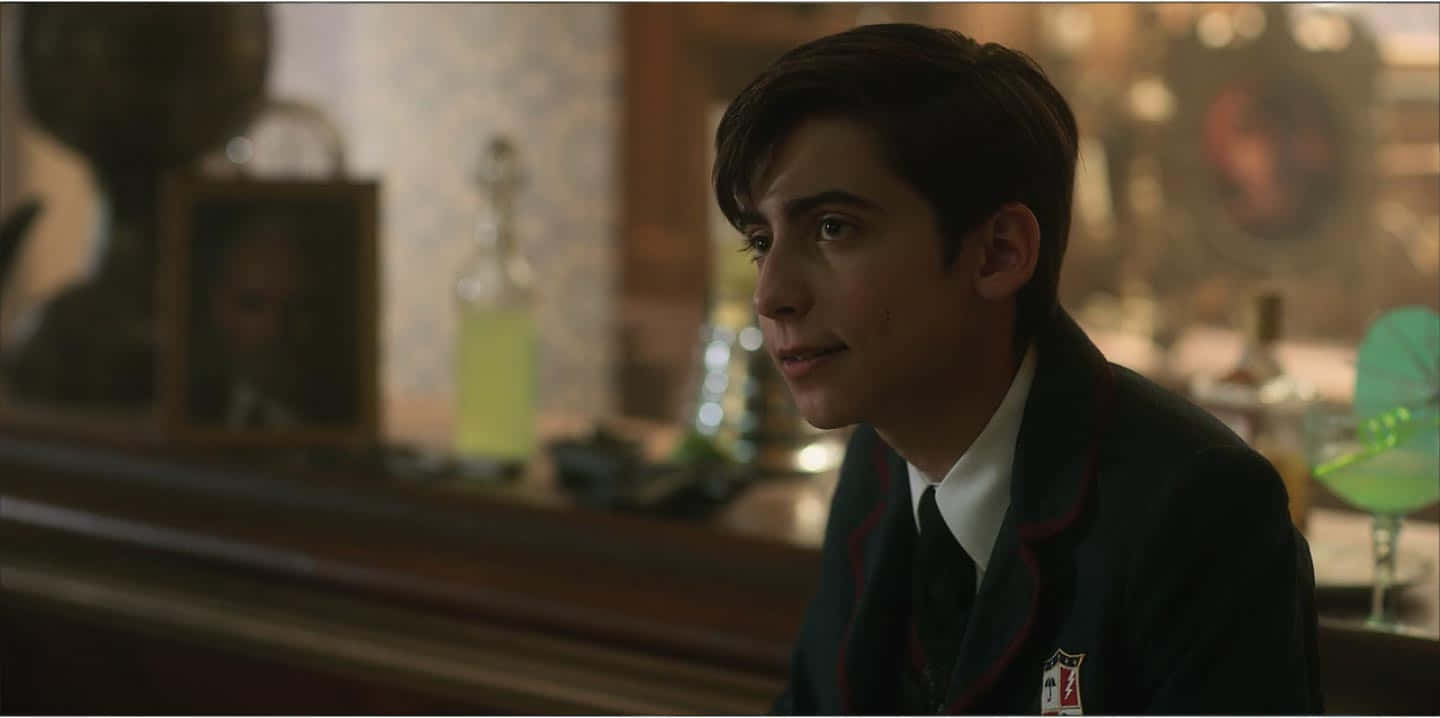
<point x="834" y="227"/>
<point x="756" y="245"/>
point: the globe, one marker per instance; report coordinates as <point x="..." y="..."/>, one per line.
<point x="138" y="90"/>
<point x="140" y="83"/>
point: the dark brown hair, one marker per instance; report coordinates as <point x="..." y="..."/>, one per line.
<point x="968" y="126"/>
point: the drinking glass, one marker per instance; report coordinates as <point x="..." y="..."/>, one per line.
<point x="1383" y="464"/>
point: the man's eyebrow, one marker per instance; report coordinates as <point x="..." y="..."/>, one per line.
<point x="800" y="206"/>
<point x="749" y="218"/>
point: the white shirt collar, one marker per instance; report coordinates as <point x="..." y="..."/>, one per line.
<point x="975" y="494"/>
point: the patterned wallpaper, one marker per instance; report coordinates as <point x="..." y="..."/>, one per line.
<point x="417" y="90"/>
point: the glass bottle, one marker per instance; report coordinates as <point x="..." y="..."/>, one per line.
<point x="496" y="345"/>
<point x="1264" y="404"/>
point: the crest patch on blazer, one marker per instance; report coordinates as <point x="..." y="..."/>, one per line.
<point x="1060" y="685"/>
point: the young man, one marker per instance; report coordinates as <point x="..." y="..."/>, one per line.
<point x="1019" y="526"/>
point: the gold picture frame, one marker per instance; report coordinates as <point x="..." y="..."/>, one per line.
<point x="267" y="312"/>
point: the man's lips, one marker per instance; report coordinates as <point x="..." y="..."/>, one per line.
<point x="808" y="352"/>
<point x="796" y="362"/>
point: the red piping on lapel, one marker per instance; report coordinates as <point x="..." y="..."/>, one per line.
<point x="917" y="651"/>
<point x="1032" y="532"/>
<point x="856" y="545"/>
<point x="962" y="703"/>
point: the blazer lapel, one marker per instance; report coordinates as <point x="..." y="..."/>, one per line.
<point x="879" y="552"/>
<point x="1055" y="465"/>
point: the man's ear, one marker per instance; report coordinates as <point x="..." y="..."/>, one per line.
<point x="1010" y="246"/>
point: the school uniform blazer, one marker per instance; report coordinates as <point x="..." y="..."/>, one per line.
<point x="1147" y="553"/>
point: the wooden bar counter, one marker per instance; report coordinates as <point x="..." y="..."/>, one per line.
<point x="137" y="577"/>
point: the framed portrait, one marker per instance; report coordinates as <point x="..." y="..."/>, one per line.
<point x="1268" y="160"/>
<point x="1275" y="153"/>
<point x="268" y="311"/>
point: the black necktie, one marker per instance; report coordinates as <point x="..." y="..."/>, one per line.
<point x="942" y="594"/>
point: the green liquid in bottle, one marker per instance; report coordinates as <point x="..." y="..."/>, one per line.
<point x="496" y="384"/>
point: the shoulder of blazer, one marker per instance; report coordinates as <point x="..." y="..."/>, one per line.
<point x="1161" y="442"/>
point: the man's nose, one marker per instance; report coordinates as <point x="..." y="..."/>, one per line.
<point x="782" y="290"/>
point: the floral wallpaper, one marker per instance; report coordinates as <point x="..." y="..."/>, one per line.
<point x="418" y="89"/>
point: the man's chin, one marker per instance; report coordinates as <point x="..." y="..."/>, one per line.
<point x="824" y="414"/>
<point x="827" y="425"/>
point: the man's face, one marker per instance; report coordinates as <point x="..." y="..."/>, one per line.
<point x="258" y="306"/>
<point x="854" y="268"/>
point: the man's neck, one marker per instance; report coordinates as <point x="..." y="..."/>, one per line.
<point x="933" y="432"/>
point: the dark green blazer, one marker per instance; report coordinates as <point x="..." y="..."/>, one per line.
<point x="1144" y="540"/>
